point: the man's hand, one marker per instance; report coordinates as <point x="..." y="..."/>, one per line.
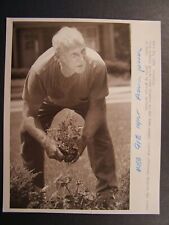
<point x="51" y="149"/>
<point x="47" y="143"/>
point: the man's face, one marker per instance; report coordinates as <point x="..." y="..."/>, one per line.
<point x="73" y="60"/>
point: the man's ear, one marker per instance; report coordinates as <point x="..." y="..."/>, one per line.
<point x="57" y="52"/>
<point x="56" y="55"/>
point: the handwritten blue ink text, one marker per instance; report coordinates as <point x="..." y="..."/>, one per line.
<point x="137" y="143"/>
<point x="138" y="119"/>
<point x="140" y="66"/>
<point x="138" y="89"/>
<point x="138" y="164"/>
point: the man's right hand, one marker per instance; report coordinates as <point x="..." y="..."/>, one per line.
<point x="51" y="149"/>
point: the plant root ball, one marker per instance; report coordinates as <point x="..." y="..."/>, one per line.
<point x="66" y="131"/>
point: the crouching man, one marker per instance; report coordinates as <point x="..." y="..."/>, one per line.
<point x="68" y="75"/>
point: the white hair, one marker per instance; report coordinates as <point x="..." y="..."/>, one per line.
<point x="65" y="38"/>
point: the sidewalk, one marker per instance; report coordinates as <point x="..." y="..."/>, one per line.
<point x="116" y="95"/>
<point x="119" y="94"/>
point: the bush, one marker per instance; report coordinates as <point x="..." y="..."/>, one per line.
<point x="70" y="194"/>
<point x="117" y="67"/>
<point x="23" y="192"/>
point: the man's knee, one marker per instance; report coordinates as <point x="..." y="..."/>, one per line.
<point x="30" y="149"/>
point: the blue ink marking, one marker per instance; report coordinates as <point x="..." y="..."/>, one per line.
<point x="138" y="164"/>
<point x="137" y="143"/>
<point x="139" y="61"/>
<point x="138" y="89"/>
<point x="138" y="119"/>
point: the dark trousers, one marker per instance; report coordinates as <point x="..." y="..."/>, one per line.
<point x="100" y="149"/>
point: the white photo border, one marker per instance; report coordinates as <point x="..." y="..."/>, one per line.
<point x="145" y="116"/>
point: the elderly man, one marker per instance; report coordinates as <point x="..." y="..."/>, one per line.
<point x="68" y="75"/>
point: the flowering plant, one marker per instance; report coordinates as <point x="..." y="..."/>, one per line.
<point x="67" y="139"/>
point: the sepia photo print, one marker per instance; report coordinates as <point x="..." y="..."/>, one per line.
<point x="71" y="135"/>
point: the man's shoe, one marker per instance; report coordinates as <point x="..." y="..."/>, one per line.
<point x="107" y="199"/>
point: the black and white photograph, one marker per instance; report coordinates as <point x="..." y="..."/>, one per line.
<point x="76" y="97"/>
<point x="70" y="115"/>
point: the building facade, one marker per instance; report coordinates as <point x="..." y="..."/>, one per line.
<point x="31" y="39"/>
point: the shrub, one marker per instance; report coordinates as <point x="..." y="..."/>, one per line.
<point x="23" y="192"/>
<point x="70" y="194"/>
<point x="117" y="67"/>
